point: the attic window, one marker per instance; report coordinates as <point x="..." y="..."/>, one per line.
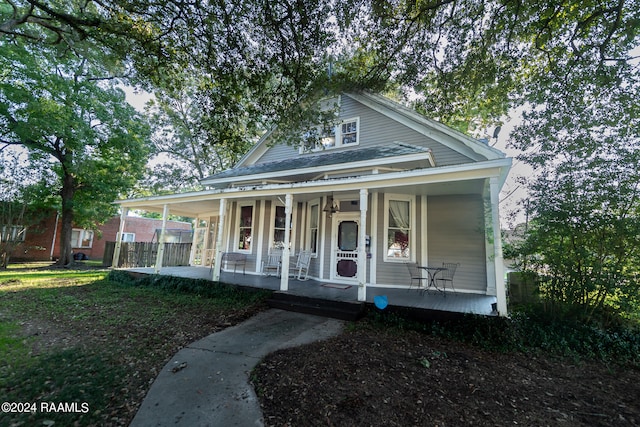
<point x="349" y="131"/>
<point x="344" y="133"/>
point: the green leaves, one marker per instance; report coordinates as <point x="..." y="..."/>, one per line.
<point x="66" y="112"/>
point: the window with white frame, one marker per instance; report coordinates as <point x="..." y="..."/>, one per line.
<point x="346" y="132"/>
<point x="81" y="238"/>
<point x="327" y="138"/>
<point x="314" y="221"/>
<point x="12" y="233"/>
<point x="279" y="227"/>
<point x="399" y="228"/>
<point x="349" y="131"/>
<point x="279" y="221"/>
<point x="128" y="237"/>
<point x="245" y="228"/>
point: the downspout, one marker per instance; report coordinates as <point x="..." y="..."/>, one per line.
<point x="501" y="292"/>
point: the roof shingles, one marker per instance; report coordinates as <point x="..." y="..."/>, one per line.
<point x="306" y="161"/>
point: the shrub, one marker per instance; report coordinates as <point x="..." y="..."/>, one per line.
<point x="228" y="294"/>
<point x="531" y="330"/>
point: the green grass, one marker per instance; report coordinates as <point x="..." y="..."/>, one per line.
<point x="12" y="344"/>
<point x="80" y="336"/>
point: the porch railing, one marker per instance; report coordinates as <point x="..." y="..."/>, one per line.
<point x="143" y="254"/>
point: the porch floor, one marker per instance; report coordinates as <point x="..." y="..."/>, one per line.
<point x="413" y="299"/>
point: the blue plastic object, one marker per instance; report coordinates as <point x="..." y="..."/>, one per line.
<point x="381" y="301"/>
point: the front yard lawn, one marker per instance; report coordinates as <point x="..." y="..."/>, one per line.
<point x="70" y="336"/>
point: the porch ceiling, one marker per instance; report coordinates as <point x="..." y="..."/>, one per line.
<point x="430" y="182"/>
<point x="211" y="205"/>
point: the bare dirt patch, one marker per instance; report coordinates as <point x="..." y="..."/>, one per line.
<point x="371" y="378"/>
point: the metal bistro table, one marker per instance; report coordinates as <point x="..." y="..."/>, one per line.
<point x="433" y="272"/>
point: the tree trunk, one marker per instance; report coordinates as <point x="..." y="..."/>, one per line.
<point x="67" y="193"/>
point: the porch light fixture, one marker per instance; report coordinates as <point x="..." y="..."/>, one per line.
<point x="332" y="206"/>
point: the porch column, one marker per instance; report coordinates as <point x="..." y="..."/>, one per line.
<point x="362" y="249"/>
<point x="116" y="251"/>
<point x="286" y="252"/>
<point x="217" y="257"/>
<point x="160" y="254"/>
<point x="501" y="293"/>
<point x="192" y="252"/>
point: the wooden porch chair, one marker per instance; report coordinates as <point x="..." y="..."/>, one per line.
<point x="447" y="275"/>
<point x="273" y="262"/>
<point x="301" y="270"/>
<point x="416" y="274"/>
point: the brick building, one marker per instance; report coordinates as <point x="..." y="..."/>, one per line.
<point x="42" y="241"/>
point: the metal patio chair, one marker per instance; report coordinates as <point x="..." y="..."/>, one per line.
<point x="447" y="274"/>
<point x="416" y="274"/>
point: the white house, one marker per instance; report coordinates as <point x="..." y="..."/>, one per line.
<point x="385" y="187"/>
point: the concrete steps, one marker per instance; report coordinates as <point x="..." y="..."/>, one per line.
<point x="342" y="310"/>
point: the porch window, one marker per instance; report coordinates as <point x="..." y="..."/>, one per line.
<point x="398" y="223"/>
<point x="314" y="216"/>
<point x="279" y="228"/>
<point x="245" y="228"/>
<point x="81" y="238"/>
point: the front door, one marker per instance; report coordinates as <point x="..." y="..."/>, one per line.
<point x="344" y="244"/>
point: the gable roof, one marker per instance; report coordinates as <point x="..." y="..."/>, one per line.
<point x="317" y="162"/>
<point x="444" y="134"/>
<point x="449" y="137"/>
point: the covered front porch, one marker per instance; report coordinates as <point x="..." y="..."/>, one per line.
<point x="397" y="297"/>
<point x="373" y="224"/>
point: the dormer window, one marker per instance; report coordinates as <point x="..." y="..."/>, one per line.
<point x="328" y="140"/>
<point x="346" y="132"/>
<point x="349" y="131"/>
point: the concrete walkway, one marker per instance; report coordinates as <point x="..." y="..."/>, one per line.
<point x="210" y="385"/>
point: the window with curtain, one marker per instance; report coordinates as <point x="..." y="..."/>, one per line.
<point x="314" y="213"/>
<point x="246" y="227"/>
<point x="399" y="230"/>
<point x="279" y="227"/>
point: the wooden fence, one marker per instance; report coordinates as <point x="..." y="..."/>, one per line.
<point x="143" y="254"/>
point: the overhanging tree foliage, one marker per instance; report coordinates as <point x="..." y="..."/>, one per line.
<point x="569" y="65"/>
<point x="582" y="135"/>
<point x="196" y="134"/>
<point x="59" y="107"/>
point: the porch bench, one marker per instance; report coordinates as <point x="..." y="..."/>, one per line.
<point x="235" y="260"/>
